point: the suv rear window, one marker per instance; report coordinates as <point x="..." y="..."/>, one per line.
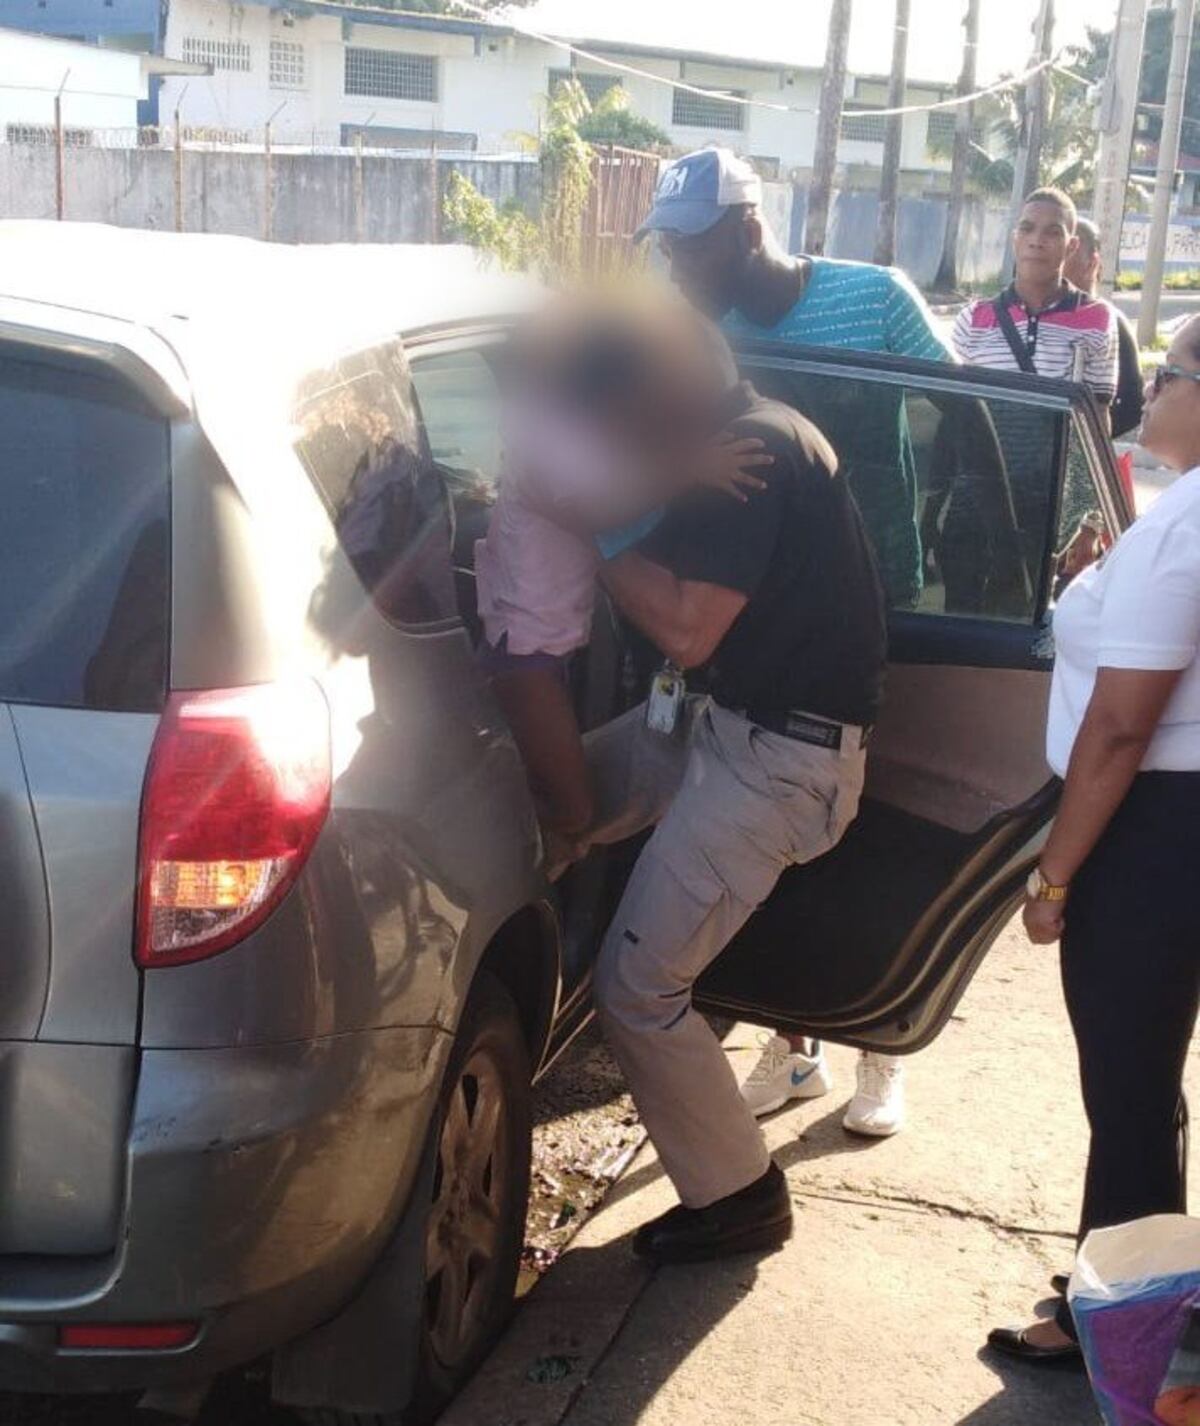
<point x="84" y="540"/>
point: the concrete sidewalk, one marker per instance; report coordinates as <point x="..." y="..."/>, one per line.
<point x="905" y="1253"/>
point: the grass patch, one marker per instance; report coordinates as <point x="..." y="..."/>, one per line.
<point x="983" y="287"/>
<point x="1188" y="281"/>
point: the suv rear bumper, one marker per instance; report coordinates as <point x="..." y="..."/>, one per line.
<point x="261" y="1184"/>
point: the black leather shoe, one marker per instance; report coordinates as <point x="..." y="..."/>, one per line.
<point x="1013" y="1343"/>
<point x="754" y="1219"/>
<point x="1058" y="1283"/>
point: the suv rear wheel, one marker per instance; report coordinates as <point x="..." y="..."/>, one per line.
<point x="476" y="1220"/>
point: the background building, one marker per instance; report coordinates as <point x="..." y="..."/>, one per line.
<point x="328" y="71"/>
<point x="104" y="91"/>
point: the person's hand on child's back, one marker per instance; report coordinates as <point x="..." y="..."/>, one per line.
<point x="729" y="462"/>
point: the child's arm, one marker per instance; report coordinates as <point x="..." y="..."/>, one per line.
<point x="727" y="462"/>
<point x="538" y="708"/>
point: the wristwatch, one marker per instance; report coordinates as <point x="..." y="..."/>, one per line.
<point x="1037" y="888"/>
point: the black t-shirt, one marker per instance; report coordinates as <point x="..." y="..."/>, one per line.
<point x="1129" y="401"/>
<point x="813" y="635"/>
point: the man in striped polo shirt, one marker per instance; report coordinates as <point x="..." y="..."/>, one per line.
<point x="1059" y="331"/>
<point x="724" y="258"/>
<point x="1041" y="324"/>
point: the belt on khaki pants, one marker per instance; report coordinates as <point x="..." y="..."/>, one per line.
<point x="804" y="727"/>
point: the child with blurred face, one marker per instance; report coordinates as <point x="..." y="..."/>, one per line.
<point x="611" y="407"/>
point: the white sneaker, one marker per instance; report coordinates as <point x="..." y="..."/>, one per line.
<point x="783" y="1073"/>
<point x="877" y="1108"/>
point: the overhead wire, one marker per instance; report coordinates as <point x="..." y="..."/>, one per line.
<point x="566" y="46"/>
<point x="708" y="92"/>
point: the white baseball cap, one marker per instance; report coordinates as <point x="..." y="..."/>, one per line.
<point x="696" y="191"/>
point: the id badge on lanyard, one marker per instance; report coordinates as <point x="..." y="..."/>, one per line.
<point x="665" y="699"/>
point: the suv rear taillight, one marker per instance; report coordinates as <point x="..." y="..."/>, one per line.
<point x="236" y="793"/>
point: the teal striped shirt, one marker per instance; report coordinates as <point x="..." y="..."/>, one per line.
<point x="868" y="309"/>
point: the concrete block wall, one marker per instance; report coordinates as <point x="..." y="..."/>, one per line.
<point x="314" y="196"/>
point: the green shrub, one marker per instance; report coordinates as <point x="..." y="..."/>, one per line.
<point x="506" y="232"/>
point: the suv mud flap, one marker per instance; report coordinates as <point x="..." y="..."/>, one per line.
<point x="365" y="1359"/>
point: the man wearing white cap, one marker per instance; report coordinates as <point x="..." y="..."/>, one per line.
<point x="724" y="257"/>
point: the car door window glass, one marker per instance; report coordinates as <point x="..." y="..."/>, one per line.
<point x="460" y="406"/>
<point x="1083" y="532"/>
<point x="359" y="437"/>
<point x="956" y="491"/>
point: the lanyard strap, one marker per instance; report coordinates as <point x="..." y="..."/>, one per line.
<point x="1024" y="351"/>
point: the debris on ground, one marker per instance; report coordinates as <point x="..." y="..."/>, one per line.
<point x="585" y="1132"/>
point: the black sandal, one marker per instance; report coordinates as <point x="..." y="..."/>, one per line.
<point x="1012" y="1342"/>
<point x="1058" y="1284"/>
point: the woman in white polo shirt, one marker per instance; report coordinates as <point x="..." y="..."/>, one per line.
<point x="1119" y="879"/>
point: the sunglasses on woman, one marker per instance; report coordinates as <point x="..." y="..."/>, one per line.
<point x="1168" y="372"/>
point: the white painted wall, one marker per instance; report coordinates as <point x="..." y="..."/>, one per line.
<point x="493" y="89"/>
<point x="102" y="86"/>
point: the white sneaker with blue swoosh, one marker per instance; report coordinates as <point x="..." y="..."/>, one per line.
<point x="783" y="1074"/>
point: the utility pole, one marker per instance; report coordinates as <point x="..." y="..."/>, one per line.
<point x="889" y="179"/>
<point x="179" y="159"/>
<point x="1164" y="182"/>
<point x="1038" y="93"/>
<point x="60" y="153"/>
<point x="829" y="128"/>
<point x="269" y="177"/>
<point x="1028" y="162"/>
<point x="1114" y="121"/>
<point x="964" y="116"/>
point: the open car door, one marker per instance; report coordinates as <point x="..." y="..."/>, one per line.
<point x="873" y="944"/>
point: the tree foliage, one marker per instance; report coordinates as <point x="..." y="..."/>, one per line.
<point x="506" y="232"/>
<point x="1156" y="59"/>
<point x="570" y="125"/>
<point x="1070" y="145"/>
<point x="611" y="121"/>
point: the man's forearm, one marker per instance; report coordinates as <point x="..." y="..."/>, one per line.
<point x="651" y="598"/>
<point x="684" y="619"/>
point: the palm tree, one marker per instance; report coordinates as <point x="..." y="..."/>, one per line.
<point x="829" y="127"/>
<point x="889" y="180"/>
<point x="964" y="115"/>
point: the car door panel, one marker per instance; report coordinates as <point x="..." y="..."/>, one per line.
<point x="933" y="768"/>
<point x="873" y="943"/>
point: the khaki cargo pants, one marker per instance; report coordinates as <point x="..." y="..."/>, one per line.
<point x="737" y="806"/>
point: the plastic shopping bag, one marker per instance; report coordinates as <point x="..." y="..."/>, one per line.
<point x="1135" y="1297"/>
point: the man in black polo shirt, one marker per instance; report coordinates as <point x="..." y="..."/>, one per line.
<point x="776" y="603"/>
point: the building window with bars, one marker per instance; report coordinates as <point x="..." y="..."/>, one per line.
<point x="231" y="55"/>
<point x="390" y="74"/>
<point x="286" y="64"/>
<point x="941" y="129"/>
<point x="45" y="136"/>
<point x="595" y="86"/>
<point x="864" y="128"/>
<point x="708" y="111"/>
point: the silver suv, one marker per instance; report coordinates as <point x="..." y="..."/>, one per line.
<point x="278" y="961"/>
